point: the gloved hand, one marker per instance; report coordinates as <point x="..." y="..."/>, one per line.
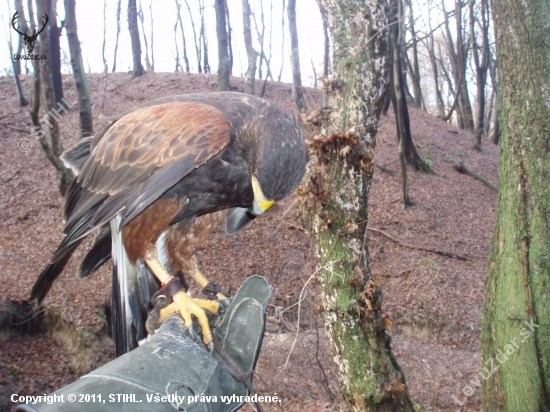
<point x="171" y="371"/>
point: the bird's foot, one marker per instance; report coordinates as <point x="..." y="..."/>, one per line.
<point x="188" y="307"/>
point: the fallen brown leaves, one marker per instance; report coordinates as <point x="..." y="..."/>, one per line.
<point x="433" y="303"/>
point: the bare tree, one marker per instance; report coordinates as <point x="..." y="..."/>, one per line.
<point x="268" y="58"/>
<point x="177" y="56"/>
<point x="23" y="26"/>
<point x="458" y="55"/>
<point x="134" y="36"/>
<point x="197" y="44"/>
<point x="142" y="21"/>
<point x="480" y="54"/>
<point x="282" y="42"/>
<point x="229" y="38"/>
<point x="223" y="59"/>
<point x="407" y="150"/>
<point x="204" y="40"/>
<point x="105" y="67"/>
<point x="80" y="79"/>
<point x="495" y="134"/>
<point x="297" y="93"/>
<point x="326" y="57"/>
<point x="52" y="143"/>
<point x="414" y="66"/>
<point x="429" y="43"/>
<point x="117" y="33"/>
<point x="54" y="52"/>
<point x="399" y="101"/>
<point x="251" y="53"/>
<point x="261" y="37"/>
<point x="179" y="21"/>
<point x="152" y="40"/>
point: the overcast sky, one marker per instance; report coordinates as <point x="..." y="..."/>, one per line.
<point x="90" y="31"/>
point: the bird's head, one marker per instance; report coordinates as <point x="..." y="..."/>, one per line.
<point x="280" y="159"/>
<point x="277" y="164"/>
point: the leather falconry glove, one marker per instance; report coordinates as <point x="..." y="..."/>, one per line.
<point x="172" y="371"/>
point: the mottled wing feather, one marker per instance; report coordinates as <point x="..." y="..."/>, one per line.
<point x="140" y="157"/>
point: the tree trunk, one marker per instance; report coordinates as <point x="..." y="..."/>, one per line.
<point x="177" y="56"/>
<point x="458" y="56"/>
<point x="103" y="46"/>
<point x="80" y="79"/>
<point x="407" y="149"/>
<point x="223" y="58"/>
<point x="481" y="64"/>
<point x="282" y="42"/>
<point x="516" y="317"/>
<point x="229" y="39"/>
<point x="134" y="36"/>
<point x="52" y="145"/>
<point x="197" y="44"/>
<point x="20" y="43"/>
<point x="54" y="53"/>
<point x="415" y="67"/>
<point x="206" y="64"/>
<point x="142" y="21"/>
<point x="251" y="53"/>
<point x="297" y="93"/>
<point x="152" y="39"/>
<point x="337" y="182"/>
<point x="260" y="35"/>
<point x="435" y="72"/>
<point x="185" y="59"/>
<point x="399" y="101"/>
<point x="117" y="33"/>
<point x="326" y="49"/>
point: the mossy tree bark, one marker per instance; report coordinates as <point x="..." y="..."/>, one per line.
<point x="516" y="321"/>
<point x="335" y="193"/>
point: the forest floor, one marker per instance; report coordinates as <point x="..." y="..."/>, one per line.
<point x="434" y="302"/>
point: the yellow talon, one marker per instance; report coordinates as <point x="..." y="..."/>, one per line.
<point x="188" y="306"/>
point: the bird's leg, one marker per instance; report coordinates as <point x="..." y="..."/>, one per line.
<point x="204" y="283"/>
<point x="185" y="305"/>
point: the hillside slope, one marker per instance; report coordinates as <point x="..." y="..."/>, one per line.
<point x="434" y="302"/>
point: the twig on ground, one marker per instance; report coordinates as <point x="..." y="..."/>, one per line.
<point x="464" y="170"/>
<point x="427" y="249"/>
<point x="385" y="170"/>
<point x="17" y="128"/>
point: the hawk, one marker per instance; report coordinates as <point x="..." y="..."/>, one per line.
<point x="158" y="181"/>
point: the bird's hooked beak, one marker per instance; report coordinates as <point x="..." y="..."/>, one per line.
<point x="238" y="218"/>
<point x="260" y="203"/>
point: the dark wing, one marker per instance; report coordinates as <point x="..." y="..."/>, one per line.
<point x="139" y="158"/>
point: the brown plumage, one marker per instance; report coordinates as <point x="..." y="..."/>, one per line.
<point x="159" y="180"/>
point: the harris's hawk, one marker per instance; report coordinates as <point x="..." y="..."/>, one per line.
<point x="158" y="181"/>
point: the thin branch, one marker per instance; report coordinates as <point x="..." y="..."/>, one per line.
<point x="463" y="170"/>
<point x="427" y="249"/>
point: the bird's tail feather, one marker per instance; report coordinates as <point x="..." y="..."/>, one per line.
<point x="99" y="253"/>
<point x="52" y="271"/>
<point x="132" y="290"/>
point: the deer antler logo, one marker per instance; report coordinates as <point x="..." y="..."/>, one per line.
<point x="29" y="40"/>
